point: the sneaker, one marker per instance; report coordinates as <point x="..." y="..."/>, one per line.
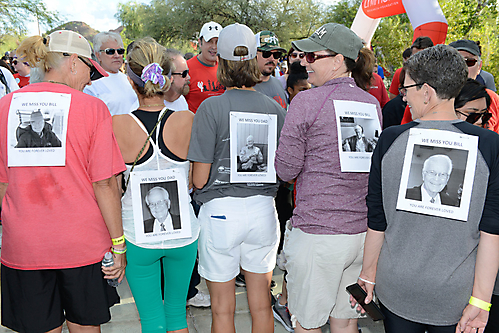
<point x="240" y="281"/>
<point x="201" y="300"/>
<point x="281" y="313"/>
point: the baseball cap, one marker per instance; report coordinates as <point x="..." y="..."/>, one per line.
<point x="466" y="45"/>
<point x="210" y="30"/>
<point x="67" y="41"/>
<point x="235" y="35"/>
<point x="267" y="41"/>
<point x="332" y="36"/>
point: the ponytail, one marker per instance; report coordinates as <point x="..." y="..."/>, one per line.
<point x="362" y="68"/>
<point x="33" y="50"/>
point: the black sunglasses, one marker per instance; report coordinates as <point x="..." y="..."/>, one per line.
<point x="474" y="116"/>
<point x="184" y="73"/>
<point x="403" y="89"/>
<point x="94" y="73"/>
<point x="470" y="62"/>
<point x="267" y="54"/>
<point x="312" y="57"/>
<point x="297" y="55"/>
<point x="110" y="51"/>
<point x="15" y="62"/>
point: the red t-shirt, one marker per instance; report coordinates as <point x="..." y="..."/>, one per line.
<point x="50" y="215"/>
<point x="394" y="87"/>
<point x="203" y="84"/>
<point x="21" y="80"/>
<point x="378" y="90"/>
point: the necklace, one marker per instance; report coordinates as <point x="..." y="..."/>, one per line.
<point x="149" y="105"/>
<point x="57" y="82"/>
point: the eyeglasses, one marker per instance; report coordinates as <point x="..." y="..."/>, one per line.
<point x="155" y="205"/>
<point x="470" y="62"/>
<point x="403" y="89"/>
<point x="473" y="117"/>
<point x="111" y="51"/>
<point x="267" y="54"/>
<point x="441" y="175"/>
<point x="296" y="55"/>
<point x="15" y="62"/>
<point x="312" y="57"/>
<point x="184" y="73"/>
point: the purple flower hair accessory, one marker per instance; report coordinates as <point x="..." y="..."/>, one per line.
<point x="154" y="73"/>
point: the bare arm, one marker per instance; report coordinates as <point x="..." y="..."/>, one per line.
<point x="3" y="189"/>
<point x="486" y="267"/>
<point x="108" y="198"/>
<point x="200" y="174"/>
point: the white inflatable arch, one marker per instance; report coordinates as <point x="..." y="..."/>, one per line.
<point x="426" y="18"/>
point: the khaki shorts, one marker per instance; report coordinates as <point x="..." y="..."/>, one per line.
<point x="320" y="267"/>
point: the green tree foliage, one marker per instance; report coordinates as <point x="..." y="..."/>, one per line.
<point x="15" y="14"/>
<point x="169" y="21"/>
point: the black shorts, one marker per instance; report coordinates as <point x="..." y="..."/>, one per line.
<point x="41" y="300"/>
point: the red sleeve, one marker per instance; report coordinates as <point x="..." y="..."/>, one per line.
<point x="494" y="109"/>
<point x="394" y="87"/>
<point x="407" y="116"/>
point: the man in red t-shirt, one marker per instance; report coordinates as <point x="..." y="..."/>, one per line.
<point x="23" y="70"/>
<point x="203" y="68"/>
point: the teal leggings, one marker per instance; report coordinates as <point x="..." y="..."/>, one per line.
<point x="143" y="274"/>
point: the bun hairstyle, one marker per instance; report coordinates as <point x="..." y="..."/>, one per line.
<point x="34" y="51"/>
<point x="362" y="68"/>
<point x="144" y="52"/>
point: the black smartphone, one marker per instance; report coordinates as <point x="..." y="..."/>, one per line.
<point x="360" y="295"/>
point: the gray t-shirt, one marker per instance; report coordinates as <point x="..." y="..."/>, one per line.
<point x="210" y="142"/>
<point x="273" y="89"/>
<point x="426" y="265"/>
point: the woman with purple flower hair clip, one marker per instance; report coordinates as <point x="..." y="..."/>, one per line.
<point x="154" y="138"/>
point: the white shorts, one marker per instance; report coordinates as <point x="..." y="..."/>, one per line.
<point x="320" y="267"/>
<point x="237" y="232"/>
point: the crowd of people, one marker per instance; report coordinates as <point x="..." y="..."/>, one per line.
<point x="218" y="166"/>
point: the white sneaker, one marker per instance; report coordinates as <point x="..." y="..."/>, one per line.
<point x="201" y="300"/>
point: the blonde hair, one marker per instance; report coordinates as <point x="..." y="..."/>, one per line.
<point x="34" y="51"/>
<point x="144" y="52"/>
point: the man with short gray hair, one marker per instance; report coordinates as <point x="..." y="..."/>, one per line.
<point x="158" y="202"/>
<point x="435" y="173"/>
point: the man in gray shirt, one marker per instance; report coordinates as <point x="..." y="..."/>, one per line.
<point x="269" y="52"/>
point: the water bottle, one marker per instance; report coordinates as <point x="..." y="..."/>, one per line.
<point x="107" y="262"/>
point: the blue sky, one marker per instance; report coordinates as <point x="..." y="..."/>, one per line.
<point x="98" y="14"/>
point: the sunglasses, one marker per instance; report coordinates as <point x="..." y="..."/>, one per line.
<point x="15" y="62"/>
<point x="110" y="51"/>
<point x="297" y="55"/>
<point x="93" y="71"/>
<point x="267" y="54"/>
<point x="311" y="57"/>
<point x="184" y="73"/>
<point x="403" y="89"/>
<point x="474" y="116"/>
<point x="470" y="62"/>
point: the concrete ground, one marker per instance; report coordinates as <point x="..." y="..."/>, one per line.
<point x="125" y="318"/>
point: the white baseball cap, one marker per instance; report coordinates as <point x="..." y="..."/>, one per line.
<point x="210" y="30"/>
<point x="235" y="35"/>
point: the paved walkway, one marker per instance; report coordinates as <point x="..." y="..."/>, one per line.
<point x="125" y="318"/>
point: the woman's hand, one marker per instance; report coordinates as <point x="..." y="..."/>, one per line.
<point x="118" y="269"/>
<point x="368" y="288"/>
<point x="473" y="320"/>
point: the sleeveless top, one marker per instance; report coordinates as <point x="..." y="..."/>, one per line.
<point x="156" y="159"/>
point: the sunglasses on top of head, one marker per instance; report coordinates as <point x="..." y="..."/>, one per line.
<point x="311" y="57"/>
<point x="183" y="74"/>
<point x="111" y="51"/>
<point x="267" y="54"/>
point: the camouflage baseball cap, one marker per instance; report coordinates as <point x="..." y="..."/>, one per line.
<point x="267" y="41"/>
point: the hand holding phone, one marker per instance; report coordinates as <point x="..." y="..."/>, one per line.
<point x="360" y="295"/>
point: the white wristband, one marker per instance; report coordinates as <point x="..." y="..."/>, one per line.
<point x="366" y="281"/>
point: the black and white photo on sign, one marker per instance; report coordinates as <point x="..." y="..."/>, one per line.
<point x="253" y="144"/>
<point x="358" y="129"/>
<point x="437" y="175"/>
<point x="37" y="129"/>
<point x="160" y="207"/>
